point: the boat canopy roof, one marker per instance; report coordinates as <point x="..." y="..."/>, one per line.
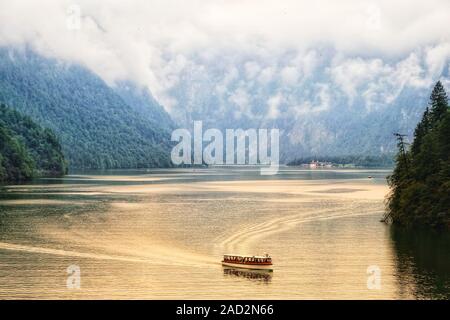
<point x="245" y="256"/>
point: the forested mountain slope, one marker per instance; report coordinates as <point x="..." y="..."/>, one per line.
<point x="420" y="182"/>
<point x="27" y="149"/>
<point x="96" y="127"/>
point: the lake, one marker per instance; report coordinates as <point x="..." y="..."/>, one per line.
<point x="157" y="234"/>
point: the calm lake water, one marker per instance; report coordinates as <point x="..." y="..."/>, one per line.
<point x="156" y="234"/>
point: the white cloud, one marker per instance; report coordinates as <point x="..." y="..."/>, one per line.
<point x="438" y="58"/>
<point x="361" y="48"/>
<point x="274" y="103"/>
<point x="353" y="73"/>
<point x="242" y="100"/>
<point x="252" y="69"/>
<point x="380" y="82"/>
<point x="266" y="75"/>
<point x="289" y="75"/>
<point x="320" y="102"/>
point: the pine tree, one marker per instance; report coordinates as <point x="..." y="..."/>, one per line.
<point x="420" y="132"/>
<point x="438" y="103"/>
<point x="421" y="178"/>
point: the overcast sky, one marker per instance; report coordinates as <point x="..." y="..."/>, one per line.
<point x="154" y="42"/>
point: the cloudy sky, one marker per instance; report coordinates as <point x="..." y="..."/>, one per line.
<point x="366" y="50"/>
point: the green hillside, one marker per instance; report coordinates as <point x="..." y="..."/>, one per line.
<point x="96" y="127"/>
<point x="27" y="149"/>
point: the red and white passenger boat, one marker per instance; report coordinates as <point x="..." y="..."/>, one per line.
<point x="248" y="262"/>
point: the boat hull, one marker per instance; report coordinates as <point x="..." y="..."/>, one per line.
<point x="267" y="267"/>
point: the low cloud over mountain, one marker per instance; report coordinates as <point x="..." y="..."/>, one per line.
<point x="336" y="77"/>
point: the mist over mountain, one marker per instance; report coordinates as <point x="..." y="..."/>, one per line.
<point x="95" y="125"/>
<point x="335" y="78"/>
<point x="323" y="105"/>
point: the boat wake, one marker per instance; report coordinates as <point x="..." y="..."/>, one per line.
<point x="157" y="257"/>
<point x="66" y="253"/>
<point x="247" y="236"/>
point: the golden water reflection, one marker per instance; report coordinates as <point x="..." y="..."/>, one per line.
<point x="162" y="235"/>
<point x="262" y="276"/>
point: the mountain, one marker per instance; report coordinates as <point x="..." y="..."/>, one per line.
<point x="143" y="102"/>
<point x="27" y="149"/>
<point x="325" y="104"/>
<point x="99" y="126"/>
